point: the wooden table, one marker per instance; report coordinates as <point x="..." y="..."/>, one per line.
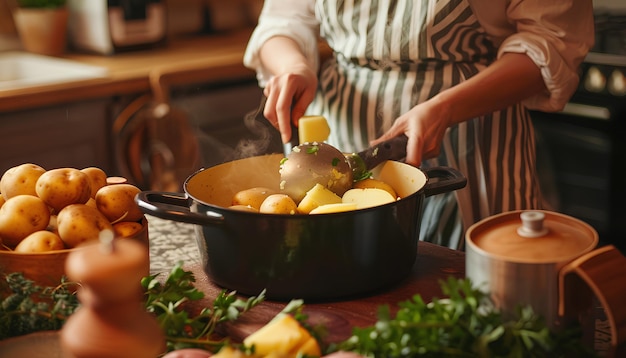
<point x="434" y="263"/>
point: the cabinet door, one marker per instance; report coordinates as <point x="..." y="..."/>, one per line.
<point x="72" y="135"/>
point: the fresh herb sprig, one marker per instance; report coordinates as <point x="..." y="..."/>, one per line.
<point x="28" y="308"/>
<point x="463" y="325"/>
<point x="168" y="301"/>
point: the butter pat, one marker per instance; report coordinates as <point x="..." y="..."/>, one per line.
<point x="313" y="129"/>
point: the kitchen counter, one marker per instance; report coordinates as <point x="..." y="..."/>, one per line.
<point x="187" y="60"/>
<point x="171" y="242"/>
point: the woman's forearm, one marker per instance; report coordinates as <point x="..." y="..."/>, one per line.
<point x="509" y="80"/>
<point x="280" y="55"/>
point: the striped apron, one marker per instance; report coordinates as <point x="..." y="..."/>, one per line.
<point x="388" y="56"/>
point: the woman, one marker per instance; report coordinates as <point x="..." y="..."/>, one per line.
<point x="455" y="76"/>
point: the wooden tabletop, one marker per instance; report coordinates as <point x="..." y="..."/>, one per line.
<point x="433" y="263"/>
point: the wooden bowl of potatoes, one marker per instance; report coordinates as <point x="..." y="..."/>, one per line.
<point x="47" y="213"/>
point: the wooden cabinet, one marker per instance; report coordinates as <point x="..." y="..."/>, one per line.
<point x="69" y="135"/>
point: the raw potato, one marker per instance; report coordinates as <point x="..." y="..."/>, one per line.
<point x="253" y="197"/>
<point x="374" y="183"/>
<point x="366" y="198"/>
<point x="40" y="241"/>
<point x="127" y="228"/>
<point x="62" y="187"/>
<point x="334" y="208"/>
<point x="20" y="180"/>
<point x="97" y="179"/>
<point x="317" y="196"/>
<point x="278" y="204"/>
<point x="244" y="208"/>
<point x="79" y="223"/>
<point x="117" y="202"/>
<point x="21" y="216"/>
<point x="283" y="335"/>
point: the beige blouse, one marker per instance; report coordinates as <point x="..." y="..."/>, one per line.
<point x="555" y="34"/>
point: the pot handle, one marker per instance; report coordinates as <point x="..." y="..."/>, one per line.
<point x="602" y="272"/>
<point x="175" y="207"/>
<point x="442" y="180"/>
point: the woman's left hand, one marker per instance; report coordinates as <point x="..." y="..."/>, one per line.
<point x="425" y="126"/>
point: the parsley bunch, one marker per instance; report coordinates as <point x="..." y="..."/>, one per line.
<point x="168" y="301"/>
<point x="463" y="325"/>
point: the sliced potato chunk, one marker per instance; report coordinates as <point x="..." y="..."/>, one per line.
<point x="317" y="196"/>
<point x="368" y="197"/>
<point x="333" y="208"/>
<point x="313" y="129"/>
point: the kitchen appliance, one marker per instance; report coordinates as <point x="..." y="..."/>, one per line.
<point x="109" y="26"/>
<point x="313" y="257"/>
<point x="549" y="261"/>
<point x="581" y="150"/>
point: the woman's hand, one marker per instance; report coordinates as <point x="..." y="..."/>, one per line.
<point x="292" y="86"/>
<point x="288" y="96"/>
<point x="425" y="126"/>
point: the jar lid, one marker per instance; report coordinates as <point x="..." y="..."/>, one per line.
<point x="532" y="236"/>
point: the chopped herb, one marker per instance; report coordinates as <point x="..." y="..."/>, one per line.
<point x="312" y="149"/>
<point x="335" y="162"/>
<point x="282" y="161"/>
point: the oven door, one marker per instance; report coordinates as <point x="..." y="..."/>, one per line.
<point x="581" y="158"/>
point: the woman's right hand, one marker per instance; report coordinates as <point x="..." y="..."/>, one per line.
<point x="291" y="88"/>
<point x="288" y="96"/>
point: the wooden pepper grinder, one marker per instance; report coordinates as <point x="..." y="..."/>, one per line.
<point x="112" y="320"/>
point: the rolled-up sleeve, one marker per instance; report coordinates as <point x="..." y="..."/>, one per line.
<point x="556" y="35"/>
<point x="293" y="19"/>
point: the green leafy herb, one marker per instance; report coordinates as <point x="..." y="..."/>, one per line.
<point x="29" y="308"/>
<point x="465" y="325"/>
<point x="335" y="162"/>
<point x="167" y="301"/>
<point x="312" y="149"/>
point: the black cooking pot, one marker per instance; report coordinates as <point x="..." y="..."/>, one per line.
<point x="312" y="257"/>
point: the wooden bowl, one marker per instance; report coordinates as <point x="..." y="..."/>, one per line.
<point x="47" y="268"/>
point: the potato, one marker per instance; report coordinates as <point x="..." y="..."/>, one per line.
<point x="283" y="335"/>
<point x="366" y="198"/>
<point x="117" y="202"/>
<point x="244" y="208"/>
<point x="20" y="180"/>
<point x="127" y="228"/>
<point x="278" y="204"/>
<point x="2" y="200"/>
<point x="40" y="241"/>
<point x="63" y="186"/>
<point x="334" y="208"/>
<point x="79" y="223"/>
<point x="253" y="197"/>
<point x="374" y="183"/>
<point x="317" y="196"/>
<point x="21" y="216"/>
<point x="97" y="179"/>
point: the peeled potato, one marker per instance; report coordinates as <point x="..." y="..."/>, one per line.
<point x="117" y="202"/>
<point x="366" y="198"/>
<point x="253" y="197"/>
<point x="78" y="223"/>
<point x="374" y="183"/>
<point x="334" y="208"/>
<point x="21" y="216"/>
<point x="317" y="196"/>
<point x="40" y="241"/>
<point x="20" y="180"/>
<point x="63" y="186"/>
<point x="278" y="204"/>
